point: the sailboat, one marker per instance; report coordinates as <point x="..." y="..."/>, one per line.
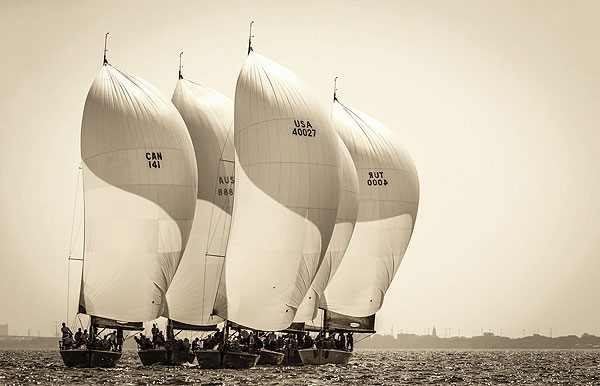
<point x="139" y="183"/>
<point x="208" y="116"/>
<point x="388" y="202"/>
<point x="287" y="175"/>
<point x="342" y="233"/>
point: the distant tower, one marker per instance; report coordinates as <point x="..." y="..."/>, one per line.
<point x="433" y="332"/>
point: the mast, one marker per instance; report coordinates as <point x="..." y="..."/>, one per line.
<point x="72" y="242"/>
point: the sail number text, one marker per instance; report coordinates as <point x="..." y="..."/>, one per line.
<point x="376" y="179"/>
<point x="154" y="159"/>
<point x="224" y="181"/>
<point x="303" y="129"/>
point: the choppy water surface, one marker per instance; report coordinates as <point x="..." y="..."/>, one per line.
<point x="367" y="367"/>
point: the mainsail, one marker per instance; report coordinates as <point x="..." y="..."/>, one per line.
<point x="287" y="174"/>
<point x="208" y="116"/>
<point x="388" y="203"/>
<point x="140" y="185"/>
<point x="342" y="232"/>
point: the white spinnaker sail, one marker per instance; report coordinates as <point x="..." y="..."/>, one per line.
<point x="140" y="183"/>
<point x="388" y="203"/>
<point x="342" y="232"/>
<point x="209" y="118"/>
<point x="286" y="199"/>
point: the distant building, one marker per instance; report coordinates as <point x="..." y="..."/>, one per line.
<point x="433" y="332"/>
<point x="3" y="329"/>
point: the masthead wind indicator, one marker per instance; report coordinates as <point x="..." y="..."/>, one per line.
<point x="180" y="66"/>
<point x="250" y="36"/>
<point x="105" y="62"/>
<point x="335" y="89"/>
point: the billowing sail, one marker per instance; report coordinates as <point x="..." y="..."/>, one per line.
<point x="287" y="174"/>
<point x="208" y="116"/>
<point x="140" y="183"/>
<point x="342" y="232"/>
<point x="388" y="202"/>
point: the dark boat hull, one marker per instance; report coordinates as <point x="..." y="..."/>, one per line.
<point x="213" y="359"/>
<point x="321" y="356"/>
<point x="209" y="359"/>
<point x="90" y="358"/>
<point x="292" y="357"/>
<point x="239" y="360"/>
<point x="165" y="357"/>
<point x="268" y="357"/>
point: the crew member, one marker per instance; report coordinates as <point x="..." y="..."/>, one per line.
<point x="350" y="341"/>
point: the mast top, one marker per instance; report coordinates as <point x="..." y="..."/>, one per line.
<point x="105" y="62"/>
<point x="335" y="89"/>
<point x="250" y="36"/>
<point x="180" y="66"/>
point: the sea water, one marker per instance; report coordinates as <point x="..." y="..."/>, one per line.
<point x="367" y="367"/>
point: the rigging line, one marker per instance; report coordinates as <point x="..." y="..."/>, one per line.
<point x="209" y="241"/>
<point x="71" y="242"/>
<point x="218" y="220"/>
<point x="224" y="226"/>
<point x="379" y="135"/>
<point x="355" y="118"/>
<point x="74" y="321"/>
<point x="68" y="287"/>
<point x="227" y="138"/>
<point x="222" y="214"/>
<point x="76" y="236"/>
<point x="366" y="336"/>
<point x="226" y="220"/>
<point x="71" y="245"/>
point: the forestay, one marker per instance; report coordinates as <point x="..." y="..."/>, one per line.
<point x="388" y="202"/>
<point x="286" y="197"/>
<point x="342" y="232"/>
<point x="140" y="186"/>
<point x="208" y="116"/>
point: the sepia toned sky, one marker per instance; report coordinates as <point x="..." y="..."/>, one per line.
<point x="497" y="102"/>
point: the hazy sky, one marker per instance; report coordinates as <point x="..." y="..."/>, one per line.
<point x="498" y="103"/>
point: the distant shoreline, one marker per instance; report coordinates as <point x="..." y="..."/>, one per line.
<point x="486" y="341"/>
